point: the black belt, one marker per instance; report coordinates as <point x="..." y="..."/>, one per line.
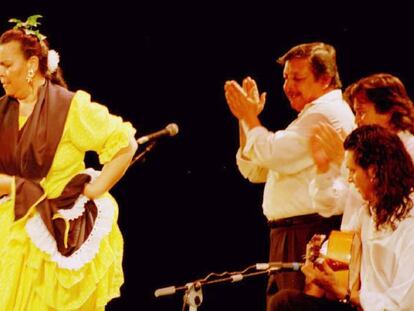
<point x="296" y="220"/>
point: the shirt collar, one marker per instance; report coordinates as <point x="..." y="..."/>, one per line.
<point x="334" y="95"/>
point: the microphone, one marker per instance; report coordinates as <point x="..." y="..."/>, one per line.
<point x="170" y="290"/>
<point x="170" y="130"/>
<point x="278" y="265"/>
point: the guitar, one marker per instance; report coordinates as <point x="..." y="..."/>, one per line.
<point x="339" y="255"/>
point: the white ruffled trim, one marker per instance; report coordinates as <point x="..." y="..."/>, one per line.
<point x="76" y="211"/>
<point x="43" y="240"/>
<point x="91" y="172"/>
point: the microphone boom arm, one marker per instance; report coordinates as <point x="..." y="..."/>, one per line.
<point x="141" y="156"/>
<point x="193" y="294"/>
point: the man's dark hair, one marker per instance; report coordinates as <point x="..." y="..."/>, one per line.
<point x="322" y="58"/>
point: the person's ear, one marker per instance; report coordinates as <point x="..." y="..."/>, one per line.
<point x="326" y="80"/>
<point x="371" y="174"/>
<point x="33" y="63"/>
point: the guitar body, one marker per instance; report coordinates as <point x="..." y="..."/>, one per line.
<point x="339" y="255"/>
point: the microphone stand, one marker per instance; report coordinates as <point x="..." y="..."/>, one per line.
<point x="141" y="156"/>
<point x="193" y="296"/>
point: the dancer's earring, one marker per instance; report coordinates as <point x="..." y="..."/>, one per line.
<point x="30" y="75"/>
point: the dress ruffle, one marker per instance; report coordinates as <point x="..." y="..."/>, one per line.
<point x="42" y="238"/>
<point x="89" y="282"/>
<point x="117" y="141"/>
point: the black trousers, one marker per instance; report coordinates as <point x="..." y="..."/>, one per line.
<point x="288" y="239"/>
<point x="295" y="300"/>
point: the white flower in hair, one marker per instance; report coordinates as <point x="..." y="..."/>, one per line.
<point x="52" y="60"/>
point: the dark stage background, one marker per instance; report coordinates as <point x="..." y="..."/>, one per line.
<point x="186" y="211"/>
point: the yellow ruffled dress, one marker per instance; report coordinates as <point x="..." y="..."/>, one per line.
<point x="34" y="279"/>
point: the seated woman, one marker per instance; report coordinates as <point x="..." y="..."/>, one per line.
<point x="383" y="172"/>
